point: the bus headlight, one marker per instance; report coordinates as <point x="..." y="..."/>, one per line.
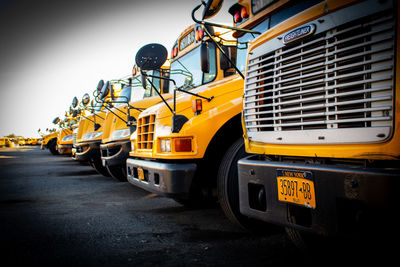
<point x="91" y="136"/>
<point x="120" y="134"/>
<point x="67" y="138"/>
<point x="165" y="145"/>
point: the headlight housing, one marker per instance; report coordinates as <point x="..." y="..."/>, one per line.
<point x="120" y="134"/>
<point x="67" y="138"/>
<point x="91" y="136"/>
<point x="165" y="145"/>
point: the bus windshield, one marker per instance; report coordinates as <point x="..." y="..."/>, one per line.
<point x="124" y="96"/>
<point x="186" y="71"/>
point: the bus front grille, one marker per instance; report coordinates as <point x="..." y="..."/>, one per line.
<point x="145" y="132"/>
<point x="334" y="84"/>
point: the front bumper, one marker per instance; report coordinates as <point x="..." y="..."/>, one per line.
<point x="64" y="149"/>
<point x="116" y="153"/>
<point x="347" y="199"/>
<point x="87" y="150"/>
<point x="167" y="179"/>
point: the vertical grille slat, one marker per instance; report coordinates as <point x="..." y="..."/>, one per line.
<point x="337" y="80"/>
<point x="145" y="132"/>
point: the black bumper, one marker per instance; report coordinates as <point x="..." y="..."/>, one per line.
<point x="115" y="154"/>
<point x="87" y="150"/>
<point x="166" y="179"/>
<point x="346" y="198"/>
<point x="64" y="149"/>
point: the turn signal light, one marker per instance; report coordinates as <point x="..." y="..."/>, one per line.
<point x="197" y="106"/>
<point x="243" y="13"/>
<point x="237" y="17"/>
<point x="174" y="51"/>
<point x="199" y="34"/>
<point x="183" y="145"/>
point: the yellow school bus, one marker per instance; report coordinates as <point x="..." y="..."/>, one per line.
<point x="90" y="128"/>
<point x="3" y="141"/>
<point x="319" y="114"/>
<point x="64" y="139"/>
<point x="180" y="145"/>
<point x="50" y="142"/>
<point x="120" y="120"/>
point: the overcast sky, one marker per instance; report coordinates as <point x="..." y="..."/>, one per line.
<point x="53" y="50"/>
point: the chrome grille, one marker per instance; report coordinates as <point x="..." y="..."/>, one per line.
<point x="336" y="81"/>
<point x="145" y="132"/>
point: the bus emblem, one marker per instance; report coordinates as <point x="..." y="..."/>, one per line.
<point x="299" y="33"/>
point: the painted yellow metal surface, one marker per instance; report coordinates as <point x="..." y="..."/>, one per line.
<point x="200" y="128"/>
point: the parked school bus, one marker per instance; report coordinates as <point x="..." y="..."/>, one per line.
<point x="178" y="148"/>
<point x="50" y="142"/>
<point x="3" y="141"/>
<point x="90" y="129"/>
<point x="319" y="114"/>
<point x="120" y="121"/>
<point x="64" y="139"/>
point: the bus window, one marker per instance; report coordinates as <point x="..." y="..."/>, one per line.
<point x="186" y="71"/>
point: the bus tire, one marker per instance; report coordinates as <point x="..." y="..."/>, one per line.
<point x="117" y="172"/>
<point x="98" y="166"/>
<point x="228" y="188"/>
<point x="52" y="145"/>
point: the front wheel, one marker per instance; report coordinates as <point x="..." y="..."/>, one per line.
<point x="98" y="166"/>
<point x="52" y="145"/>
<point x="228" y="187"/>
<point x="118" y="172"/>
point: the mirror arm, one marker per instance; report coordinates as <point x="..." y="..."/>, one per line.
<point x="98" y="116"/>
<point x="88" y="119"/>
<point x="116" y="114"/>
<point x="155" y="89"/>
<point x="190" y="93"/>
<point x="219" y="25"/>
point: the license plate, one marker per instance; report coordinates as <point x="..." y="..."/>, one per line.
<point x="140" y="173"/>
<point x="296" y="187"/>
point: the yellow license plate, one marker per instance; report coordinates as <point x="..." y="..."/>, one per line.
<point x="296" y="187"/>
<point x="140" y="173"/>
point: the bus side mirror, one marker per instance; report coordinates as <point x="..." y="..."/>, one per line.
<point x="151" y="57"/>
<point x="211" y="8"/>
<point x="99" y="87"/>
<point x="105" y="90"/>
<point x="204" y="62"/>
<point x="165" y="83"/>
<point x="56" y="120"/>
<point x="85" y="99"/>
<point x="74" y="102"/>
<point x="112" y="94"/>
<point x="143" y="80"/>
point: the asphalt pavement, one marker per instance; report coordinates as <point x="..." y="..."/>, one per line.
<point x="57" y="212"/>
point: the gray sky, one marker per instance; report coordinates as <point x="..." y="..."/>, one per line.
<point x="53" y="50"/>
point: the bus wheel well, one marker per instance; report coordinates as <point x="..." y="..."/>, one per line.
<point x="220" y="143"/>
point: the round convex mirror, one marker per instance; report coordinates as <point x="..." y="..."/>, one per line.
<point x="74" y="103"/>
<point x="56" y="120"/>
<point x="85" y="99"/>
<point x="99" y="86"/>
<point x="151" y="57"/>
<point x="105" y="90"/>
